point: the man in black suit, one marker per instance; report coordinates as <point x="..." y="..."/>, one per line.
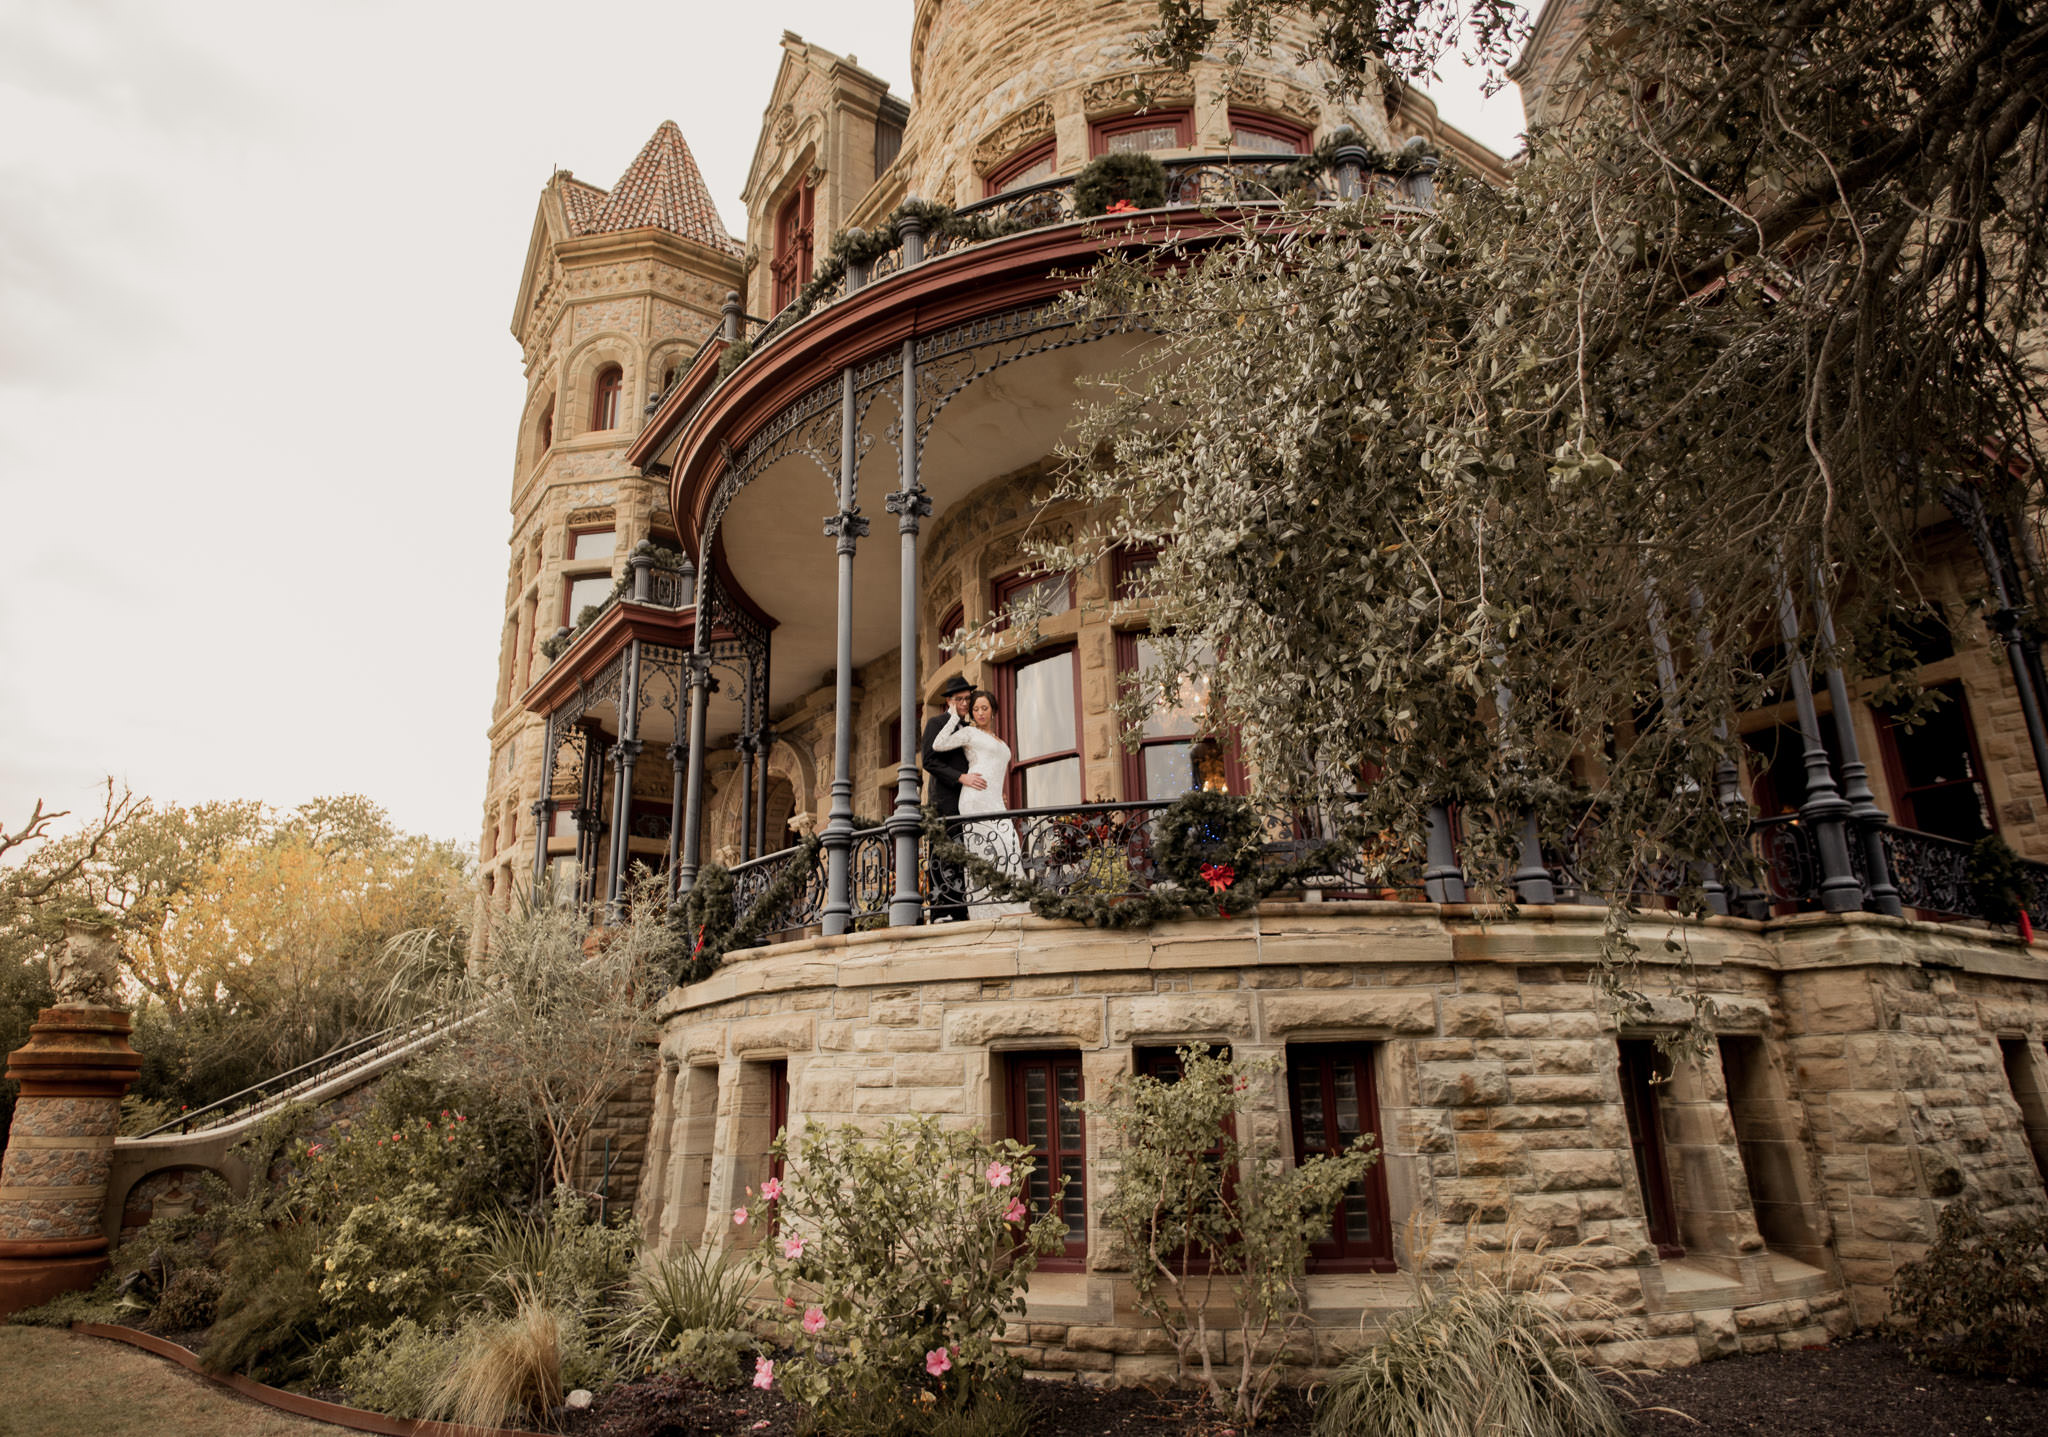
<point x="945" y="775"/>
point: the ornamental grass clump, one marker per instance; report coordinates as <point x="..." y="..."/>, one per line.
<point x="689" y="1310"/>
<point x="1476" y="1357"/>
<point x="506" y="1368"/>
<point x="896" y="1259"/>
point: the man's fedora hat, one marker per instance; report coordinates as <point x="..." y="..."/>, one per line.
<point x="954" y="685"/>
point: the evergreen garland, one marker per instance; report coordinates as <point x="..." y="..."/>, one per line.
<point x="1998" y="880"/>
<point x="708" y="924"/>
<point x="1130" y="176"/>
<point x="1211" y="838"/>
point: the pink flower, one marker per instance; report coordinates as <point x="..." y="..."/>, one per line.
<point x="771" y="1190"/>
<point x="793" y="1248"/>
<point x="764" y="1373"/>
<point x="937" y="1362"/>
<point x="814" y="1320"/>
<point x="739" y="1217"/>
<point x="998" y="1175"/>
<point x="1016" y="1211"/>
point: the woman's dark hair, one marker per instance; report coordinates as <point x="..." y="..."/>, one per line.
<point x="977" y="696"/>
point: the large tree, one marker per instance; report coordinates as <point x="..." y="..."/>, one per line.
<point x="1500" y="498"/>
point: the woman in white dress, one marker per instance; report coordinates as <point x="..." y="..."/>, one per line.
<point x="994" y="839"/>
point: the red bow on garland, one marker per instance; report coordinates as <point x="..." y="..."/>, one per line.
<point x="1218" y="876"/>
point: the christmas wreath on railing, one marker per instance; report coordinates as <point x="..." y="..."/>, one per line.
<point x="707" y="921"/>
<point x="1207" y="856"/>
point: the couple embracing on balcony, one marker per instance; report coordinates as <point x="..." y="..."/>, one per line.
<point x="965" y="764"/>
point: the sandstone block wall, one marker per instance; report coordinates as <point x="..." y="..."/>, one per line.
<point x="1500" y="1100"/>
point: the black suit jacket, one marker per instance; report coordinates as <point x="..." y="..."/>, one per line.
<point x="943" y="771"/>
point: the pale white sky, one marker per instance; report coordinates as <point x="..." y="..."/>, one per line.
<point x="257" y="387"/>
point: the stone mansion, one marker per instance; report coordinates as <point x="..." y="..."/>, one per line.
<point x="755" y="488"/>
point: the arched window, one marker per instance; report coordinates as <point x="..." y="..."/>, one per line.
<point x="1027" y="167"/>
<point x="792" y="265"/>
<point x="1267" y="134"/>
<point x="604" y="398"/>
<point x="547" y="425"/>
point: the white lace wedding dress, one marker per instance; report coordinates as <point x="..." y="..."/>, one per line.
<point x="994" y="839"/>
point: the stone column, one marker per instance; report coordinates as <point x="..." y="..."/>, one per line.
<point x="53" y="1179"/>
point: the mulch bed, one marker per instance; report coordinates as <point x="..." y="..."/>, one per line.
<point x="1860" y="1388"/>
<point x="665" y="1406"/>
<point x="1863" y="1387"/>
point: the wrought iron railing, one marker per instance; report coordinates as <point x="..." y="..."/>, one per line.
<point x="1106" y="850"/>
<point x="281" y="1088"/>
<point x="1193" y="182"/>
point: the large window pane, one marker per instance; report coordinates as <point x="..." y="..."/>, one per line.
<point x="1045" y="707"/>
<point x="1169" y="770"/>
<point x="1262" y="143"/>
<point x="1153" y="137"/>
<point x="1179" y="710"/>
<point x="1053" y="785"/>
<point x="593" y="544"/>
<point x="587" y="591"/>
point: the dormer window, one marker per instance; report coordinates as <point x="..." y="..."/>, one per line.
<point x="604" y="397"/>
<point x="792" y="264"/>
<point x="1267" y="134"/>
<point x="1027" y="167"/>
<point x="1134" y="134"/>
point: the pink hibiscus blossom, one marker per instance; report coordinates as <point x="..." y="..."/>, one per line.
<point x="814" y="1320"/>
<point x="764" y="1373"/>
<point x="937" y="1362"/>
<point x="739" y="1217"/>
<point x="771" y="1190"/>
<point x="793" y="1249"/>
<point x="998" y="1175"/>
<point x="1016" y="1211"/>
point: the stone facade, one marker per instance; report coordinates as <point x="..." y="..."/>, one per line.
<point x="1858" y="1082"/>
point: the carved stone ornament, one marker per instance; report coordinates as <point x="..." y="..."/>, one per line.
<point x="785" y="122"/>
<point x="86" y="971"/>
<point x="1120" y="92"/>
<point x="589" y="516"/>
<point x="1030" y="123"/>
<point x="804" y="824"/>
<point x="1256" y="92"/>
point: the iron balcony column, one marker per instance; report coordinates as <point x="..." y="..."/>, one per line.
<point x="745" y="745"/>
<point x="628" y="755"/>
<point x="1825" y="811"/>
<point x="1869" y="820"/>
<point x="848" y="528"/>
<point x="910" y="504"/>
<point x="693" y="803"/>
<point x="678" y="757"/>
<point x="544" y="808"/>
<point x="1443" y="881"/>
<point x="1967" y="504"/>
<point x="767" y="742"/>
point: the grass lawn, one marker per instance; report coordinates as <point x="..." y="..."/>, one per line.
<point x="59" y="1384"/>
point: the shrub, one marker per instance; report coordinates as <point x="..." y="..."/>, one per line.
<point x="1133" y="177"/>
<point x="712" y="1357"/>
<point x="271" y="1304"/>
<point x="400" y="1370"/>
<point x="367" y="1161"/>
<point x="1195" y="1207"/>
<point x="1476" y="1355"/>
<point x="506" y="1367"/>
<point x="897" y="1257"/>
<point x="190" y="1300"/>
<point x="1978" y="1301"/>
<point x="403" y="1256"/>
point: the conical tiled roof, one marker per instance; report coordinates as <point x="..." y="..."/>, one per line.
<point x="661" y="188"/>
<point x="582" y="201"/>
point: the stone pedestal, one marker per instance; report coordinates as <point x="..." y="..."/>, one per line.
<point x="53" y="1178"/>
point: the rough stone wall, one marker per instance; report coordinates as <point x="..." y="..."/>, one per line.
<point x="1500" y="1100"/>
<point x="991" y="78"/>
<point x="619" y="1138"/>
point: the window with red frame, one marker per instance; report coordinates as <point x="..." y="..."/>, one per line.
<point x="791" y="266"/>
<point x="953" y="623"/>
<point x="1333" y="1102"/>
<point x="1129" y="568"/>
<point x="1173" y="756"/>
<point x="1135" y="134"/>
<point x="1267" y="134"/>
<point x="778" y="1112"/>
<point x="1044" y="1091"/>
<point x="1642" y="1069"/>
<point x="604" y="397"/>
<point x="1027" y="167"/>
<point x="1054" y="592"/>
<point x="1936" y="777"/>
<point x="1040" y="715"/>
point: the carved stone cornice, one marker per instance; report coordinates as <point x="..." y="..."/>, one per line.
<point x="1017" y="130"/>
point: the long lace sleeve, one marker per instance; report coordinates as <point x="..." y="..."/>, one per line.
<point x="952" y="736"/>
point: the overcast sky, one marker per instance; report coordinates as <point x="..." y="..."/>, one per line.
<point x="257" y="387"/>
